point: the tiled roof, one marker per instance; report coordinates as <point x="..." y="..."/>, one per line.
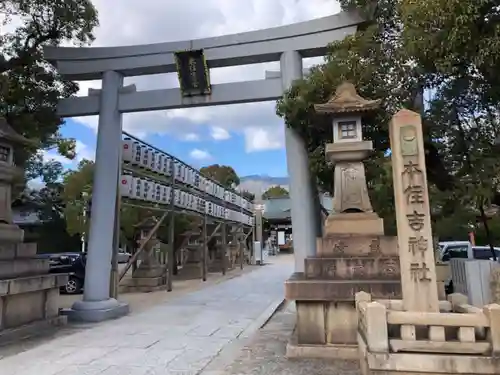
<point x="279" y="208"/>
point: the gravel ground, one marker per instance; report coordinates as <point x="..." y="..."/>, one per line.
<point x="264" y="353"/>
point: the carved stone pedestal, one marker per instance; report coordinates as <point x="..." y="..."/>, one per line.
<point x="221" y="259"/>
<point x="29" y="295"/>
<point x="324" y="294"/>
<point x="150" y="276"/>
<point x="192" y="269"/>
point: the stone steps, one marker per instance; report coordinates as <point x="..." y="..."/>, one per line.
<point x="299" y="288"/>
<point x="20" y="267"/>
<point x="349" y="268"/>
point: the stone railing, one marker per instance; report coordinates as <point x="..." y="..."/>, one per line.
<point x="458" y="329"/>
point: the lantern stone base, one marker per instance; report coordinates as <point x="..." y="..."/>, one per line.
<point x="11" y="233"/>
<point x="355" y="223"/>
<point x="220" y="260"/>
<point x="150" y="276"/>
<point x="325" y="292"/>
<point x="190" y="271"/>
<point x="143" y="284"/>
<point x="29" y="295"/>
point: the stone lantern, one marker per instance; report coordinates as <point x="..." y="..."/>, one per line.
<point x="149" y="276"/>
<point x="353" y="254"/>
<point x="347" y="152"/>
<point x="9" y="139"/>
<point x="29" y="294"/>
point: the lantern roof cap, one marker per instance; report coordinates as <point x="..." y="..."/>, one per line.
<point x="9" y="134"/>
<point x="346" y="100"/>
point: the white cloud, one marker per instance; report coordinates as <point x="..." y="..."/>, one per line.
<point x="198" y="154"/>
<point x="191" y="137"/>
<point x="260" y="139"/>
<point x="153" y="21"/>
<point x="219" y="134"/>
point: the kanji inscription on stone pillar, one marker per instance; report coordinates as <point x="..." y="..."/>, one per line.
<point x="416" y="256"/>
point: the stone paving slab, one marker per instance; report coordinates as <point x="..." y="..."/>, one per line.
<point x="264" y="354"/>
<point x="181" y="336"/>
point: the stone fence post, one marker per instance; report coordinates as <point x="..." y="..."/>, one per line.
<point x="493" y="313"/>
<point x="377" y="336"/>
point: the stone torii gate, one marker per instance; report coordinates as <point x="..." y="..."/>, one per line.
<point x="287" y="44"/>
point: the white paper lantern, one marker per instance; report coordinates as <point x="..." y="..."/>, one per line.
<point x="126" y="182"/>
<point x="128" y="150"/>
<point x="137" y="188"/>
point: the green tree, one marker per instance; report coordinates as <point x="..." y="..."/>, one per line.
<point x="223" y="174"/>
<point x="275" y="192"/>
<point x="248" y="195"/>
<point x="399" y="57"/>
<point x="29" y="87"/>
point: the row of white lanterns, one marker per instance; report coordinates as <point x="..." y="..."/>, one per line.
<point x="141" y="189"/>
<point x="141" y="155"/>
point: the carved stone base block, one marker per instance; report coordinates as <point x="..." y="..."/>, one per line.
<point x="142" y="284"/>
<point x="11" y="233"/>
<point x="357" y="223"/>
<point x="149" y="271"/>
<point x="29" y="295"/>
<point x="326" y="322"/>
<point x="190" y="271"/>
<point x="325" y="292"/>
<point x="298" y="288"/>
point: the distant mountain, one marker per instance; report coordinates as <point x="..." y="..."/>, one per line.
<point x="260" y="183"/>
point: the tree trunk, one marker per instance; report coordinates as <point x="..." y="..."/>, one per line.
<point x="484" y="220"/>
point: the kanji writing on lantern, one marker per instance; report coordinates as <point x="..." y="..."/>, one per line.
<point x="419" y="272"/>
<point x="416" y="221"/>
<point x="414" y="194"/>
<point x="417" y="244"/>
<point x="411" y="169"/>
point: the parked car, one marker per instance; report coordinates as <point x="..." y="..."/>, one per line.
<point x="72" y="264"/>
<point x="464" y="250"/>
<point x="484" y="252"/>
<point x="123" y="256"/>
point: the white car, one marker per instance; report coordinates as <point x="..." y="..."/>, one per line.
<point x="123" y="256"/>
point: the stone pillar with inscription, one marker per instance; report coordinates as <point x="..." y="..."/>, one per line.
<point x="416" y="254"/>
<point x="353" y="255"/>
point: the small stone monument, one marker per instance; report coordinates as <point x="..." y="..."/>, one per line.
<point x="418" y="267"/>
<point x="28" y="293"/>
<point x="419" y="334"/>
<point x="353" y="255"/>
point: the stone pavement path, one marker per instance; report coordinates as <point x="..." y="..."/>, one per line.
<point x="264" y="354"/>
<point x="181" y="336"/>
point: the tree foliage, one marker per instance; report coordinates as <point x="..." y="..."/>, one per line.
<point x="446" y="50"/>
<point x="29" y="87"/>
<point x="248" y="195"/>
<point x="275" y="192"/>
<point x="223" y="174"/>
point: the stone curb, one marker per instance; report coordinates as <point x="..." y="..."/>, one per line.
<point x="227" y="355"/>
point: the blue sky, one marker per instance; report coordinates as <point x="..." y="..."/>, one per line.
<point x="227" y="152"/>
<point x="247" y="137"/>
